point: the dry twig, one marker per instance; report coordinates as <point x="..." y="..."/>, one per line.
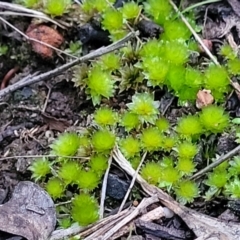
<point x="104" y="188"/>
<point x="132" y="182"/>
<point x="53" y="73"/>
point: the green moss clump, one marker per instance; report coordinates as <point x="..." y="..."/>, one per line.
<point x="130" y="147"/>
<point x="85" y="209"/>
<point x="152" y="172"/>
<point x="213" y="119"/>
<point x="105" y="117"/>
<point x="88" y="180"/>
<point x="145" y="107"/>
<point x="103" y="141"/>
<point x="66" y="144"/>
<point x="189" y="126"/>
<point x="99" y="84"/>
<point x="56" y="7"/>
<point x="186" y="191"/>
<point x="160" y="10"/>
<point x="98" y="163"/>
<point x="69" y="172"/>
<point x="55" y="187"/>
<point x="40" y="168"/>
<point x="151" y="139"/>
<point x="216" y="80"/>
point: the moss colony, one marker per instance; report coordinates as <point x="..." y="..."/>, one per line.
<point x="137" y="71"/>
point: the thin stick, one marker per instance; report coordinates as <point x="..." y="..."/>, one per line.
<point x="40" y="156"/>
<point x="10" y="13"/>
<point x="53" y="73"/>
<point x="19" y="9"/>
<point x="194" y="33"/>
<point x="104" y="188"/>
<point x="132" y="182"/>
<point x="199" y="4"/>
<point x="35" y="40"/>
<point x="216" y="163"/>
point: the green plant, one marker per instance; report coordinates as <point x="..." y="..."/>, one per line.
<point x="216" y="80"/>
<point x="189" y="126"/>
<point x="129" y="121"/>
<point x="233" y="66"/>
<point x="99" y="84"/>
<point x="213" y="119"/>
<point x="28" y="3"/>
<point x="75" y="48"/>
<point x="110" y="62"/>
<point x="160" y="10"/>
<point x="185" y="166"/>
<point x="85" y="148"/>
<point x="65" y="222"/>
<point x="66" y="144"/>
<point x="103" y="141"/>
<point x="98" y="163"/>
<point x="40" y="168"/>
<point x="176" y="78"/>
<point x="56" y="7"/>
<point x="152" y="73"/>
<point x="170" y="176"/>
<point x="130" y="147"/>
<point x="151" y="139"/>
<point x="90" y="6"/>
<point x="232" y="188"/>
<point x="217" y="179"/>
<point x="152" y="172"/>
<point x="186" y="150"/>
<point x="145" y="107"/>
<point x="193" y="82"/>
<point x="162" y="124"/>
<point x="88" y="180"/>
<point x="3" y="49"/>
<point x="112" y="20"/>
<point x="174" y="30"/>
<point x="130" y="10"/>
<point x="105" y="117"/>
<point x="55" y="187"/>
<point x="186" y="191"/>
<point x="151" y="49"/>
<point x="168" y="143"/>
<point x="69" y="172"/>
<point x="234" y="169"/>
<point x="175" y="51"/>
<point x="227" y="51"/>
<point x="85" y="209"/>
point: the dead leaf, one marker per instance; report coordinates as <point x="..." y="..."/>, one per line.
<point x="44" y="34"/>
<point x="204" y="98"/>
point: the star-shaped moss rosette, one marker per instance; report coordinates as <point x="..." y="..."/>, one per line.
<point x="145" y="107"/>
